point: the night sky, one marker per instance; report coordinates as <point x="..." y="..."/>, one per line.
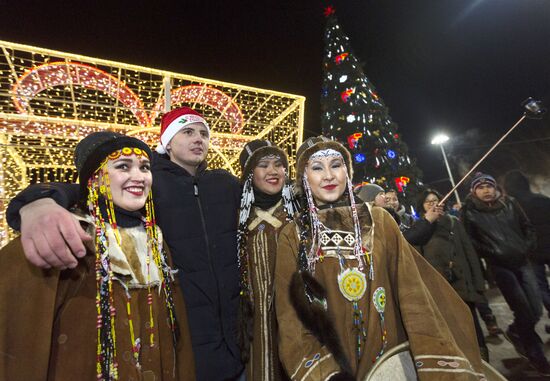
<point x="462" y="66"/>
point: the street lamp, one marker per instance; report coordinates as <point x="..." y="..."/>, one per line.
<point x="439" y="139"/>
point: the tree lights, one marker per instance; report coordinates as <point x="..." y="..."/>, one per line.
<point x="355" y="115"/>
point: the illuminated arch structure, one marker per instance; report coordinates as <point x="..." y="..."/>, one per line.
<point x="49" y="100"/>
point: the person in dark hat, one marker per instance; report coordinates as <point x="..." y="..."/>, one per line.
<point x="372" y="193"/>
<point x="197" y="211"/>
<point x="117" y="315"/>
<point x="267" y="204"/>
<point x="349" y="288"/>
<point x="503" y="235"/>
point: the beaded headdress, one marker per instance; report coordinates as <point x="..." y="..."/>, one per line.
<point x="308" y="258"/>
<point x="91" y="157"/>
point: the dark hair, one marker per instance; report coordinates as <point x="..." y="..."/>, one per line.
<point x="515" y="182"/>
<point x="422" y="197"/>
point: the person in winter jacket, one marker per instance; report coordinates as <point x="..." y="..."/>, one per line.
<point x="450" y="251"/>
<point x="537" y="209"/>
<point x="196" y="209"/>
<point x="349" y="288"/>
<point x="502" y="234"/>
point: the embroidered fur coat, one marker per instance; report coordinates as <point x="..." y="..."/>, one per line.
<point x="48" y="320"/>
<point x="318" y="340"/>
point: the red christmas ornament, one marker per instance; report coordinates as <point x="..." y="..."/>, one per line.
<point x="346" y="94"/>
<point x="329" y="11"/>
<point x="340" y="57"/>
<point x="353" y="138"/>
<point x="401" y="182"/>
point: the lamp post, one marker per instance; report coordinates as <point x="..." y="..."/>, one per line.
<point x="439" y="139"/>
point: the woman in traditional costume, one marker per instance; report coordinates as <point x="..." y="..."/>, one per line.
<point x="349" y="287"/>
<point x="267" y="204"/>
<point x="119" y="314"/>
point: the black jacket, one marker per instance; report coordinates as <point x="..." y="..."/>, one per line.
<point x="500" y="232"/>
<point x="450" y="252"/>
<point x="420" y="232"/>
<point x="537" y="209"/>
<point x="198" y="217"/>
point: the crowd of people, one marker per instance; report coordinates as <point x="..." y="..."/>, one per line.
<point x="155" y="267"/>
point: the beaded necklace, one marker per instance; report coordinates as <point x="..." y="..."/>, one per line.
<point x="106" y="355"/>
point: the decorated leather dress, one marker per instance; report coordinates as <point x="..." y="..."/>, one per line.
<point x="351" y="307"/>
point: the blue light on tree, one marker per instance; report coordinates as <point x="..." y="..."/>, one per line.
<point x="359" y="157"/>
<point x="391" y="154"/>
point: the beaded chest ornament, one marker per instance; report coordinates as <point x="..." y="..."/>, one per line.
<point x="352" y="281"/>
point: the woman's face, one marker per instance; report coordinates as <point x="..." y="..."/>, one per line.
<point x="430" y="201"/>
<point x="327" y="178"/>
<point x="130" y="179"/>
<point x="269" y="175"/>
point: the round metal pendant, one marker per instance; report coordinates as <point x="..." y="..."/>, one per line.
<point x="379" y="299"/>
<point x="353" y="284"/>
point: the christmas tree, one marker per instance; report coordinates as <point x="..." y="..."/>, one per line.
<point x="355" y="115"/>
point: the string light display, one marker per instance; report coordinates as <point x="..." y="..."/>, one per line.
<point x="49" y="100"/>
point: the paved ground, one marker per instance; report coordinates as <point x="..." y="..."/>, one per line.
<point x="502" y="354"/>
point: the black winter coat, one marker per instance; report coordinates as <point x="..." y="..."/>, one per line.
<point x="537" y="209"/>
<point x="452" y="254"/>
<point x="198" y="217"/>
<point x="500" y="232"/>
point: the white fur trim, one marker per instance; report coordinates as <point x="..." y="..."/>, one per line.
<point x="174" y="127"/>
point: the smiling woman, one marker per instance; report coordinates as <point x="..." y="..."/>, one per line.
<point x="267" y="204"/>
<point x="326" y="175"/>
<point x="118" y="314"/>
<point x="348" y="287"/>
<point x="130" y="178"/>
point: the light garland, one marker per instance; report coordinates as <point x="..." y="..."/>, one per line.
<point x="49" y="100"/>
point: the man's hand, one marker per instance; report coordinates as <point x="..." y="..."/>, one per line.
<point x="434" y="213"/>
<point x="51" y="236"/>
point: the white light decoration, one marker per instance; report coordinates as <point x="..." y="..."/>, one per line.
<point x="350" y="118"/>
<point x="342" y="78"/>
<point x="49" y="100"/>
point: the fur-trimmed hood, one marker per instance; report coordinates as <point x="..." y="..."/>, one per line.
<point x="312" y="145"/>
<point x="254" y="151"/>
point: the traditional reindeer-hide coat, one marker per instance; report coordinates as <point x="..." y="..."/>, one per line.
<point x="317" y="339"/>
<point x="263" y="228"/>
<point x="48" y="318"/>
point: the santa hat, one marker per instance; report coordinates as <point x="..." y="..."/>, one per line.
<point x="173" y="121"/>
